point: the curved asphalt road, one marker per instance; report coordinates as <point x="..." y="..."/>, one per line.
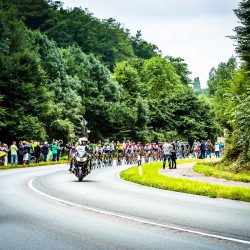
<point x="47" y="208"/>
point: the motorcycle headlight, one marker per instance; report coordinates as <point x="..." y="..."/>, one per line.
<point x="84" y="159"/>
<point x="81" y="159"/>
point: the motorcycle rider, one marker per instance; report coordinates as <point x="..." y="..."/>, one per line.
<point x="81" y="147"/>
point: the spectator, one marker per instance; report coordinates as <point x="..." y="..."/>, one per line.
<point x="13" y="153"/>
<point x="45" y="151"/>
<point x="5" y="150"/>
<point x="217" y="149"/>
<point x="30" y="150"/>
<point x="26" y="149"/>
<point x="59" y="149"/>
<point x="173" y="156"/>
<point x="203" y="149"/>
<point x="20" y="152"/>
<point x="54" y="148"/>
<point x="209" y="147"/>
<point x="166" y="153"/>
<point x="37" y="152"/>
<point x="221" y="146"/>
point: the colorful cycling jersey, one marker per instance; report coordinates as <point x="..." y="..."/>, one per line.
<point x="119" y="147"/>
<point x="147" y="148"/>
<point x="99" y="151"/>
<point x="129" y="150"/>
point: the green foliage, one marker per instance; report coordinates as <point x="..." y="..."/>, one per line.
<point x="22" y="82"/>
<point x="242" y="32"/>
<point x="61" y="129"/>
<point x="152" y="178"/>
<point x="94" y="69"/>
<point x="142" y="48"/>
<point x="218" y="78"/>
<point x="172" y="106"/>
<point x="238" y="108"/>
<point x="229" y="92"/>
<point x="181" y="69"/>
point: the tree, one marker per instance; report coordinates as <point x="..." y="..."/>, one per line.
<point x="218" y="84"/>
<point x="242" y="32"/>
<point x="22" y="82"/>
<point x="142" y="48"/>
<point x="35" y="12"/>
<point x="181" y="69"/>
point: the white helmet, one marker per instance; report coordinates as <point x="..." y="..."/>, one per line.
<point x="82" y="140"/>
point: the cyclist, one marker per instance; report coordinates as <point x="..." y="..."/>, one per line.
<point x="106" y="153"/>
<point x="111" y="152"/>
<point x="119" y="149"/>
<point x="147" y="150"/>
<point x="99" y="154"/>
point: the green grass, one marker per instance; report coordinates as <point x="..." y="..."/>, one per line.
<point x="152" y="178"/>
<point x="218" y="170"/>
<point x="34" y="164"/>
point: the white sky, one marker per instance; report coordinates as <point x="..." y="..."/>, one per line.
<point x="195" y="30"/>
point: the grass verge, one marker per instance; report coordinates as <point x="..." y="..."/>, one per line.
<point x="152" y="178"/>
<point x="218" y="170"/>
<point x="34" y="164"/>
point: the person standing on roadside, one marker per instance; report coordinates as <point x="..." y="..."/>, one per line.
<point x="217" y="149"/>
<point x="54" y="148"/>
<point x="167" y="147"/>
<point x="4" y="148"/>
<point x="37" y="152"/>
<point x="203" y="149"/>
<point x="59" y="149"/>
<point x="173" y="156"/>
<point x="13" y="153"/>
<point x="221" y="146"/>
<point x="209" y="147"/>
<point x="45" y="151"/>
<point x="25" y="153"/>
<point x="29" y="148"/>
<point x="20" y="152"/>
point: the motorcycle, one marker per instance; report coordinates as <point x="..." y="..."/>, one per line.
<point x="81" y="164"/>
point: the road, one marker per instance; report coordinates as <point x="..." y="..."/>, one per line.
<point x="47" y="208"/>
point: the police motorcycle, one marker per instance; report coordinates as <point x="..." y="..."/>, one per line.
<point x="81" y="161"/>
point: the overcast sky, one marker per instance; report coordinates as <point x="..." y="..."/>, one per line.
<point x="195" y="30"/>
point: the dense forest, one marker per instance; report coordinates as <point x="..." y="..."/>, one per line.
<point x="60" y="65"/>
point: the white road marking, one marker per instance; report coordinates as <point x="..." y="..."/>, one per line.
<point x="30" y="184"/>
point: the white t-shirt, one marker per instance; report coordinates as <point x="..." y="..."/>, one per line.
<point x="216" y="147"/>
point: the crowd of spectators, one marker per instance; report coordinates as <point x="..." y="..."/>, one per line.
<point x="26" y="152"/>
